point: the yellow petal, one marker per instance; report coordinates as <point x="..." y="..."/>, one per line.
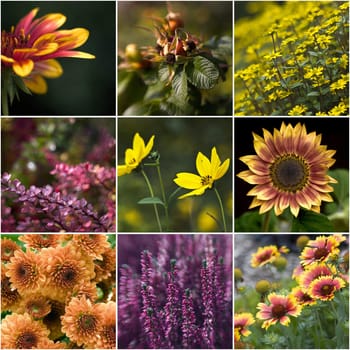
<point x="23" y="68"/>
<point x="188" y="180"/>
<point x="49" y="68"/>
<point x="36" y="83"/>
<point x="123" y="170"/>
<point x="6" y="59"/>
<point x="222" y="169"/>
<point x="203" y="165"/>
<point x="197" y="192"/>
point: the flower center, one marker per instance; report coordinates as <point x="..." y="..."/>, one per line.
<point x="326" y="289"/>
<point x="26" y="340"/>
<point x="207" y="180"/>
<point x="87" y="323"/>
<point x="11" y="41"/>
<point x="289" y="173"/>
<point x="320" y="253"/>
<point x="66" y="276"/>
<point x="278" y="311"/>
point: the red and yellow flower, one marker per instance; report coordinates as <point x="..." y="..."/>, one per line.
<point x="266" y="255"/>
<point x="242" y="321"/>
<point x="278" y="309"/>
<point x="31" y="48"/>
<point x="324" y="287"/>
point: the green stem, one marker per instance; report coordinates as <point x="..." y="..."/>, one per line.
<point x="163" y="195"/>
<point x="221" y="208"/>
<point x="265" y="225"/>
<point x="152" y="195"/>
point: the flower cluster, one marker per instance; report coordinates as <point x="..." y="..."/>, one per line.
<point x="316" y="295"/>
<point x="299" y="65"/>
<point x="47" y="209"/>
<point x="182" y="296"/>
<point x="58" y="292"/>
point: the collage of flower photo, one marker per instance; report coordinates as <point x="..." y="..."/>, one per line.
<point x="174" y="174"/>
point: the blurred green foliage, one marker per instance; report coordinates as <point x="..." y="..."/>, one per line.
<point x="178" y="140"/>
<point x="87" y="87"/>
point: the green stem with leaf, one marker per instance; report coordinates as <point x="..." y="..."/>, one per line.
<point x="152" y="195"/>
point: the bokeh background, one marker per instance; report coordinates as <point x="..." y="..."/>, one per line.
<point x="87" y="87"/>
<point x="178" y="140"/>
<point x="335" y="135"/>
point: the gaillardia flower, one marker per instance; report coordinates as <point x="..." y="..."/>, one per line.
<point x="135" y="155"/>
<point x="209" y="171"/>
<point x="289" y="170"/>
<point x="242" y="321"/>
<point x="279" y="309"/>
<point x="267" y="254"/>
<point x="31" y="47"/>
<point x="324" y="287"/>
<point x="321" y="249"/>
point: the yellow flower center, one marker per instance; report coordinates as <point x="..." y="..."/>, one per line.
<point x="207" y="180"/>
<point x="278" y="311"/>
<point x="289" y="173"/>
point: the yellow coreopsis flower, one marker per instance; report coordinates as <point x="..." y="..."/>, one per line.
<point x="209" y="171"/>
<point x="135" y="155"/>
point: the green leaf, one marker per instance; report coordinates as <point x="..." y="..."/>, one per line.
<point x="20" y="84"/>
<point x="309" y="221"/>
<point x="150" y="200"/>
<point x="341" y="189"/>
<point x="179" y="84"/>
<point x="313" y="93"/>
<point x="202" y="73"/>
<point x="164" y="73"/>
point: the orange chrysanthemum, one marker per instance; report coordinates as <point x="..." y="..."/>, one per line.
<point x="8" y="248"/>
<point x="31" y="47"/>
<point x="65" y="268"/>
<point x="105" y="266"/>
<point x="94" y="245"/>
<point x="10" y="297"/>
<point x="242" y="321"/>
<point x="39" y="241"/>
<point x="87" y="289"/>
<point x="321" y="249"/>
<point x="21" y="332"/>
<point x="24" y="272"/>
<point x="107" y="338"/>
<point x="324" y="287"/>
<point x="37" y="306"/>
<point x="289" y="170"/>
<point x="83" y="321"/>
<point x="279" y="309"/>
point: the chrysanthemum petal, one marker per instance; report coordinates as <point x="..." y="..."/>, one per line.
<point x="49" y="68"/>
<point x="26" y="21"/>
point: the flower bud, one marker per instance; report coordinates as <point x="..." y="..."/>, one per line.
<point x="262" y="286"/>
<point x="280" y="263"/>
<point x="238" y="275"/>
<point x="302" y="241"/>
<point x="132" y="53"/>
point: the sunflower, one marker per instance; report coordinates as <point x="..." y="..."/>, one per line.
<point x="65" y="268"/>
<point x="8" y="248"/>
<point x="107" y="338"/>
<point x="21" y="332"/>
<point x="324" y="287"/>
<point x="289" y="170"/>
<point x="92" y="245"/>
<point x="82" y="321"/>
<point x="10" y="297"/>
<point x="279" y="309"/>
<point x="105" y="266"/>
<point x="24" y="272"/>
<point x="39" y="241"/>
